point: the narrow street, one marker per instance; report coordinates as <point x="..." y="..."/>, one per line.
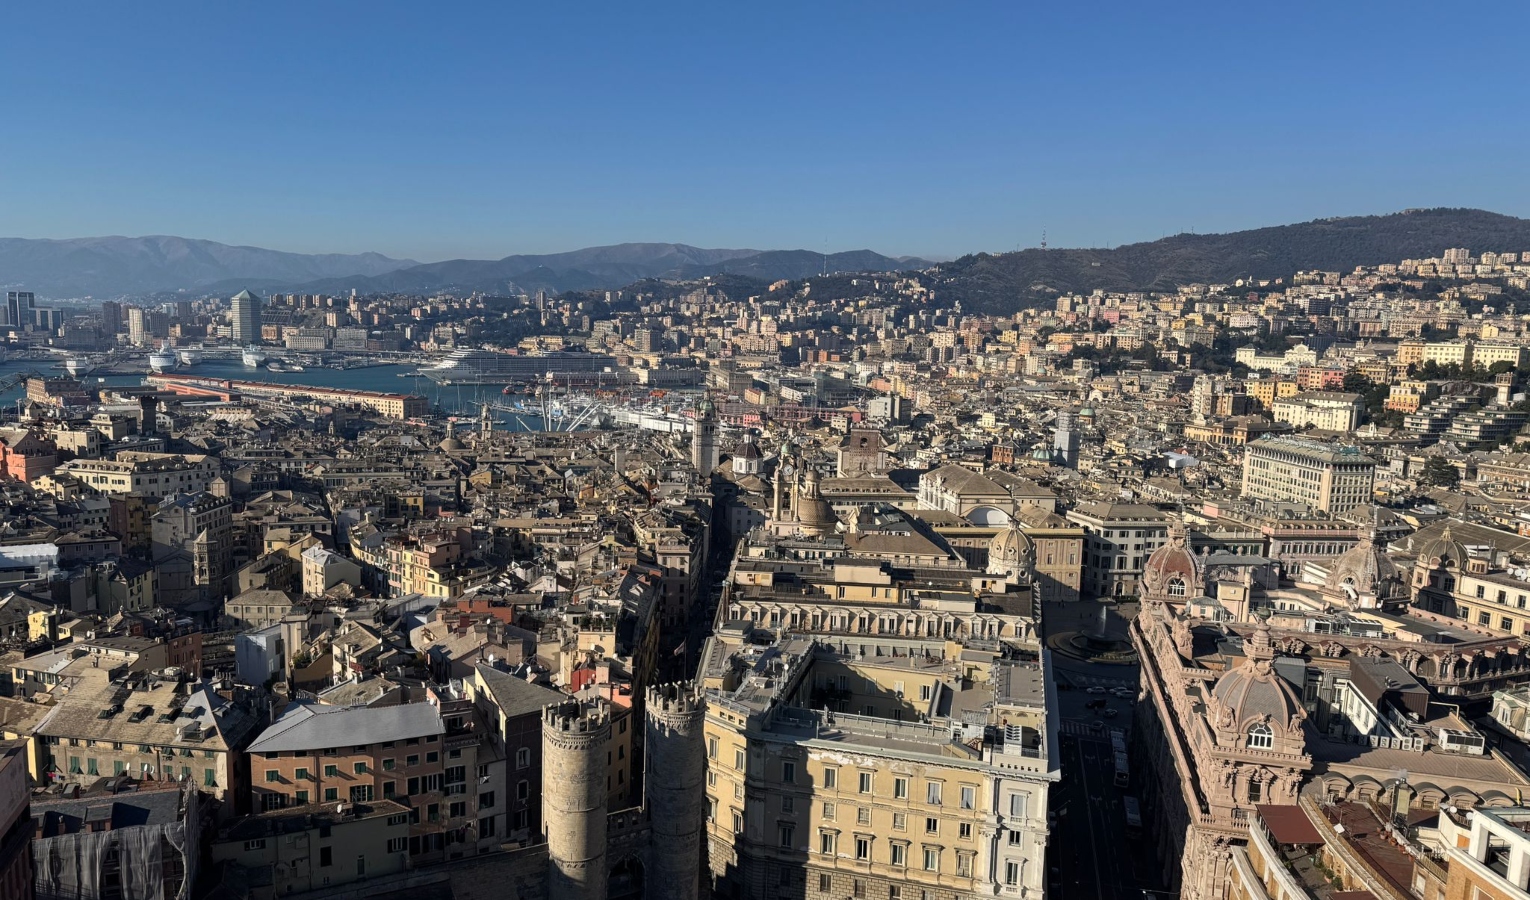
<point x="1091" y="854"/>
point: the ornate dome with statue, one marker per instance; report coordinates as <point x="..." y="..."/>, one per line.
<point x="1444" y="552"/>
<point x="1365" y="577"/>
<point x="1173" y="572"/>
<point x="1255" y="708"/>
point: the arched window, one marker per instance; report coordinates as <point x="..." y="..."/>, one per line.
<point x="1177" y="587"/>
<point x="1260" y="737"/>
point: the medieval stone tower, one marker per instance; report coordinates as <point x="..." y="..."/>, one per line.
<point x="674" y="793"/>
<point x="704" y="439"/>
<point x="574" y="743"/>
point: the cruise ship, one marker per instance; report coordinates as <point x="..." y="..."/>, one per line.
<point x="488" y="367"/>
<point x="163" y="360"/>
<point x="252" y="357"/>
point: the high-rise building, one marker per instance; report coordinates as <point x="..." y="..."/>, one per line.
<point x="47" y="319"/>
<point x="245" y="318"/>
<point x="138" y="326"/>
<point x="18" y="308"/>
<point x="1065" y="440"/>
<point x="111" y="317"/>
<point x="648" y="340"/>
<point x="1202" y="396"/>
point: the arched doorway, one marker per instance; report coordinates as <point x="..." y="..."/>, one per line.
<point x="626" y="881"/>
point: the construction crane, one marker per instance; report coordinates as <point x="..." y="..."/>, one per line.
<point x="15" y="378"/>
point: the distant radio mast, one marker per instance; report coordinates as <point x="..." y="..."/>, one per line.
<point x="1043" y="239"/>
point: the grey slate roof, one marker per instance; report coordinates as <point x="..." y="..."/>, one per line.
<point x="68" y="815"/>
<point x="308" y="726"/>
<point x="517" y="696"/>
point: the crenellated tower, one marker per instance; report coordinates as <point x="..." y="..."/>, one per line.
<point x="575" y="737"/>
<point x="676" y="796"/>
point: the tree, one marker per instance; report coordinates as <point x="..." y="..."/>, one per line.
<point x="1355" y="383"/>
<point x="1439" y="472"/>
<point x="1271" y="343"/>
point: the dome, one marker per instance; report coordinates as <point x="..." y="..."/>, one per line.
<point x="1256" y="694"/>
<point x="1173" y="571"/>
<point x="1362" y="569"/>
<point x="1443" y="551"/>
<point x="813" y="512"/>
<point x="450" y="445"/>
<point x="749" y="450"/>
<point x="1010" y="552"/>
<point x="1253" y="700"/>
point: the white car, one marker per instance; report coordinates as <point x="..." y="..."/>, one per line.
<point x="1096" y="690"/>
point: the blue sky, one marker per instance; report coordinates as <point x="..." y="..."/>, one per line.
<point x="481" y="130"/>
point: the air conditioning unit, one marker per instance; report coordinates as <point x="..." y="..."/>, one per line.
<point x="1468" y="742"/>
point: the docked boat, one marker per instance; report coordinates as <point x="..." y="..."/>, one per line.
<point x="489" y="367"/>
<point x="77" y="367"/>
<point x="189" y="356"/>
<point x="252" y="357"/>
<point x="163" y="360"/>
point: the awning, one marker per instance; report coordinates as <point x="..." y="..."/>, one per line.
<point x="1289" y="825"/>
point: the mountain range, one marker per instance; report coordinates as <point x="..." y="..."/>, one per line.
<point x="111" y="266"/>
<point x="114" y="266"/>
<point x="605" y="268"/>
<point x="1006" y="281"/>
